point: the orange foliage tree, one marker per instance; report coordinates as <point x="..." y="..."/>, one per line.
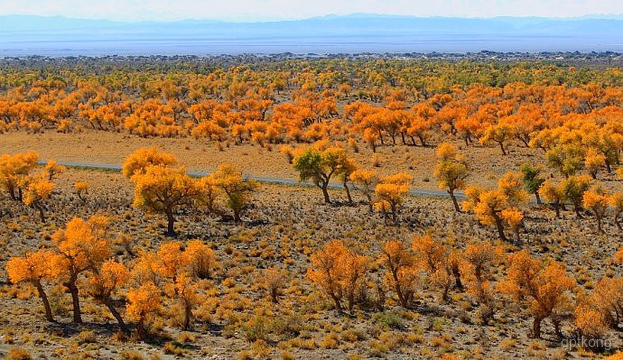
<point x="402" y="271"/>
<point x="103" y="284"/>
<point x="596" y="200"/>
<point x="82" y="247"/>
<point x="602" y="309"/>
<point x="498" y="206"/>
<point x="14" y="171"/>
<point x="34" y="268"/>
<point x="339" y="272"/>
<point x="237" y="190"/>
<point x="616" y="202"/>
<point x="450" y="171"/>
<point x="38" y="191"/>
<point x="367" y="181"/>
<point x="391" y="193"/>
<point x="434" y="258"/>
<point x="143" y="302"/>
<point x="554" y="194"/>
<point x="478" y="260"/>
<point x="164" y="190"/>
<point x="141" y="159"/>
<point x="543" y="287"/>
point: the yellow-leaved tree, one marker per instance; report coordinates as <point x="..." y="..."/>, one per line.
<point x="37" y="192"/>
<point x="162" y="189"/>
<point x="434" y="258"/>
<point x="391" y="193"/>
<point x="339" y="272"/>
<point x="237" y="190"/>
<point x="141" y="159"/>
<point x="35" y="268"/>
<point x="498" y="206"/>
<point x="143" y="302"/>
<point x="82" y="247"/>
<point x="450" y="171"/>
<point x="14" y="172"/>
<point x="105" y="283"/>
<point x="402" y="270"/>
<point x="542" y="286"/>
<point x="596" y="200"/>
<point x="367" y="181"/>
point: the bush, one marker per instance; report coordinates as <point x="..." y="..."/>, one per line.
<point x="288" y="325"/>
<point x="18" y="354"/>
<point x="256" y="329"/>
<point x="131" y="355"/>
<point x="388" y="320"/>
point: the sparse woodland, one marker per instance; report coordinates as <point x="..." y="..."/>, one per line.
<point x="153" y="261"/>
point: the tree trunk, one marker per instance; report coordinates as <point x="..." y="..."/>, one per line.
<point x="444" y="293"/>
<point x="46" y="303"/>
<point x="401" y="297"/>
<point x="188" y="315"/>
<point x="599" y="228"/>
<point x="556" y="321"/>
<point x="39" y="207"/>
<point x="117" y="316"/>
<point x="351" y="300"/>
<point x="500" y="228"/>
<point x="350" y="199"/>
<point x="140" y="329"/>
<point x="422" y="140"/>
<point x="538" y="198"/>
<point x="237" y="215"/>
<point x="325" y="192"/>
<point x="454" y="201"/>
<point x="380" y="296"/>
<point x="536" y="328"/>
<point x="458" y="284"/>
<point x="502" y="148"/>
<point x="75" y="299"/>
<point x="394" y="214"/>
<point x="170" y="222"/>
<point x="336" y="300"/>
<point x="557" y="209"/>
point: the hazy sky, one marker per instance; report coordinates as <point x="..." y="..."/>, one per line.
<point x="243" y="10"/>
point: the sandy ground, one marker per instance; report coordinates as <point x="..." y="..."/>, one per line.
<point x="486" y="163"/>
<point x="284" y="226"/>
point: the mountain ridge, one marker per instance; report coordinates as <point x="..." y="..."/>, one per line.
<point x="33" y="35"/>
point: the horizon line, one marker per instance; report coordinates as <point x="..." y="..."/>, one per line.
<point x="326" y="16"/>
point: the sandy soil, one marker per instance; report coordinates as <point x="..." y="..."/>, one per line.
<point x="284" y="226"/>
<point x="486" y="163"/>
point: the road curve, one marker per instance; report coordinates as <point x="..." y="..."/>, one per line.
<point x="263" y="179"/>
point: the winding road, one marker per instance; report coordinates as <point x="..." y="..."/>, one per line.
<point x="262" y="179"/>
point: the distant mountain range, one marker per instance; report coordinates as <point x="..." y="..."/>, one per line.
<point x="58" y="36"/>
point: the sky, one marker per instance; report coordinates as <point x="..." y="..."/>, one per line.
<point x="265" y="10"/>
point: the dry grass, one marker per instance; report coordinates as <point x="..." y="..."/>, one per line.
<point x="285" y="225"/>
